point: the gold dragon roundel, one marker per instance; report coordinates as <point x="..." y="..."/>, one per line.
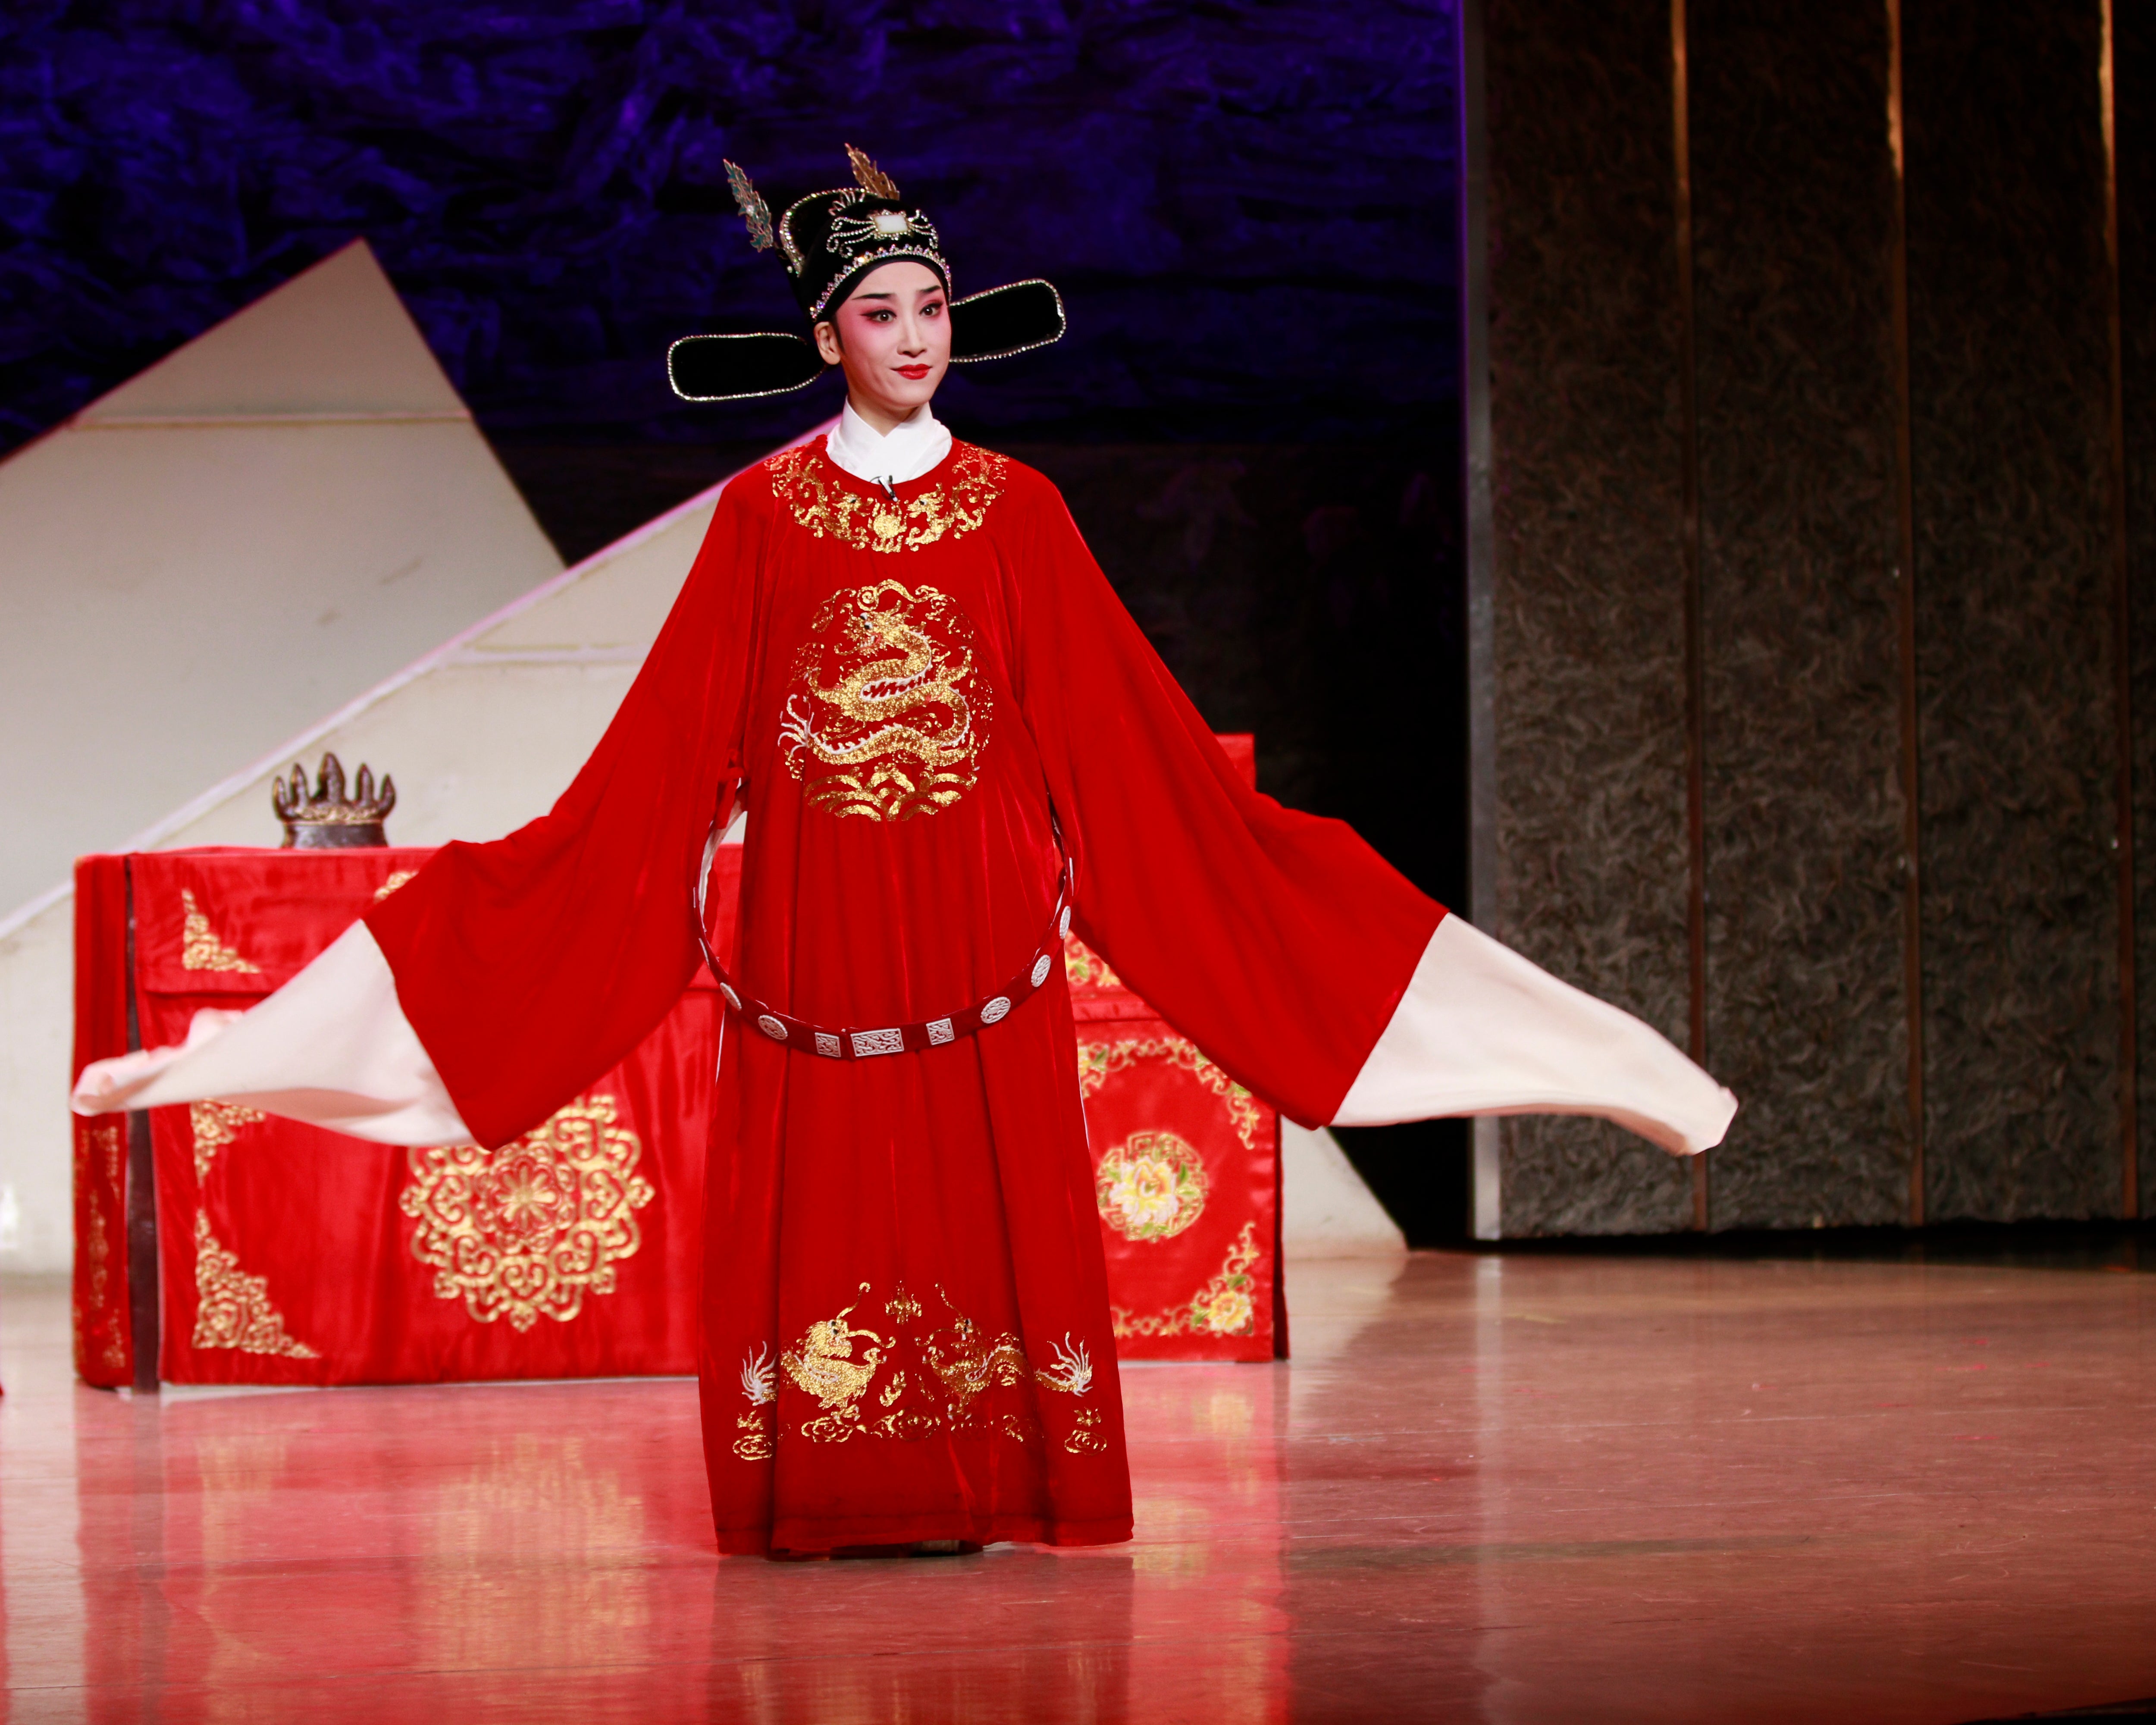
<point x="887" y="712"/>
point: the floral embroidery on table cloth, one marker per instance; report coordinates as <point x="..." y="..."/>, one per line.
<point x="810" y="486"/>
<point x="1182" y="1153"/>
<point x="1151" y="1187"/>
<point x="1097" y="1060"/>
<point x="1085" y="969"/>
<point x="1224" y="1306"/>
<point x="887" y="713"/>
<point x="527" y="1231"/>
<point x="902" y="1370"/>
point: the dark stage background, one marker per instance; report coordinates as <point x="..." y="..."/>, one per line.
<point x="1251" y="210"/>
<point x="1821" y="604"/>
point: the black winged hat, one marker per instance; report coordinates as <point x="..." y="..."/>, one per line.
<point x="828" y="241"/>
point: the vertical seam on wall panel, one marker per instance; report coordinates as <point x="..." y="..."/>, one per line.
<point x="2122" y="635"/>
<point x="1695" y="670"/>
<point x="1479" y="507"/>
<point x="1905" y="584"/>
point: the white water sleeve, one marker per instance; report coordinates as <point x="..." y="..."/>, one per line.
<point x="1480" y="1031"/>
<point x="332" y="1047"/>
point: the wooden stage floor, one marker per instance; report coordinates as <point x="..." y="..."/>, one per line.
<point x="1515" y="1488"/>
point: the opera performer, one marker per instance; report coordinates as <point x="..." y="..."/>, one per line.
<point x="953" y="747"/>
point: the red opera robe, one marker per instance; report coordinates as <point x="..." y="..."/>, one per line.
<point x="905" y="1327"/>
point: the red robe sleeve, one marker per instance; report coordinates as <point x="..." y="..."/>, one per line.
<point x="530" y="966"/>
<point x="1278" y="942"/>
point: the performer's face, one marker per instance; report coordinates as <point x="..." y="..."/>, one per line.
<point x="893" y="336"/>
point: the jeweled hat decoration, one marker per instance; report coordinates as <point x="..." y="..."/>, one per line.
<point x="327" y="819"/>
<point x="828" y="242"/>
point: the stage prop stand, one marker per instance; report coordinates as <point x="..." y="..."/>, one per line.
<point x="142" y="1277"/>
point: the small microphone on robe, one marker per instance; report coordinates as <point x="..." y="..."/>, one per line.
<point x="889" y="490"/>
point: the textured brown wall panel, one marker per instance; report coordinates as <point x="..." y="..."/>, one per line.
<point x="1589" y="682"/>
<point x="1792" y="219"/>
<point x="2010" y="368"/>
<point x="2136" y="56"/>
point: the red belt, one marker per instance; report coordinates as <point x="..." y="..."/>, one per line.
<point x="850" y="1043"/>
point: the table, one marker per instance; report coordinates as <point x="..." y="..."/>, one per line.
<point x="215" y="1244"/>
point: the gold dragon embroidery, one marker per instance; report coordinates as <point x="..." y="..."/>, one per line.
<point x="915" y="1377"/>
<point x="887" y="716"/>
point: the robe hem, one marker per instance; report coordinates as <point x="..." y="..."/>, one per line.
<point x="794" y="1537"/>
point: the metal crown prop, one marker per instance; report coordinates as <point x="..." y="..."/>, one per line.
<point x="327" y="819"/>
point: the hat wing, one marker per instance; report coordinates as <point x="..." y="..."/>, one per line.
<point x="741" y="367"/>
<point x="1001" y="322"/>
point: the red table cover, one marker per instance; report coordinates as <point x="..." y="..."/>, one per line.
<point x="290" y="1254"/>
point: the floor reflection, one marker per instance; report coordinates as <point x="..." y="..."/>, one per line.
<point x="1510" y="1489"/>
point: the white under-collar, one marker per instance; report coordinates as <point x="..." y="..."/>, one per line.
<point x="909" y="449"/>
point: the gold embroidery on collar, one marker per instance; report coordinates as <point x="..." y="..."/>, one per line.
<point x="886" y="716"/>
<point x="809" y="485"/>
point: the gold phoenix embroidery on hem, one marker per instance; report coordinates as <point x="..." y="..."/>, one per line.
<point x="906" y="1382"/>
<point x="809" y="486"/>
<point x="887" y="714"/>
<point x="525" y="1231"/>
<point x="760" y="1386"/>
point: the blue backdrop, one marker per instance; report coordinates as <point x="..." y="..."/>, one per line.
<point x="1250" y="206"/>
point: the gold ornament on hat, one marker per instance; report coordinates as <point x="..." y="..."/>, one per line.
<point x="753" y="209"/>
<point x="871" y="178"/>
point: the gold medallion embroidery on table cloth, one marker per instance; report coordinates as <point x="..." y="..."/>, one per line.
<point x="906" y="1372"/>
<point x="810" y="487"/>
<point x="887" y="713"/>
<point x="527" y="1231"/>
